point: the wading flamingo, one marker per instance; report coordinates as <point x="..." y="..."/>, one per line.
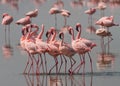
<point x="67" y="50"/>
<point x="24" y="21"/>
<point x="88" y="43"/>
<point x="6" y="21"/>
<point x="33" y="13"/>
<point x="55" y="10"/>
<point x="80" y="47"/>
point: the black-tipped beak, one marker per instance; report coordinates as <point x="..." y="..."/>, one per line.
<point x="60" y="36"/>
<point x="77" y="28"/>
<point x="47" y="33"/>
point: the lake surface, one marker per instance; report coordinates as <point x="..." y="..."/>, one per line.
<point x="13" y="60"/>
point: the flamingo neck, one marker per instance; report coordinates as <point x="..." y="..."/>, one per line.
<point x="53" y="36"/>
<point x="79" y="33"/>
<point x="72" y="35"/>
<point x="41" y="33"/>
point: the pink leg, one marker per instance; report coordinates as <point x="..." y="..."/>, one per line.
<point x="56" y="65"/>
<point x="65" y="63"/>
<point x="72" y="64"/>
<point x="31" y="66"/>
<point x="26" y="66"/>
<point x="61" y="63"/>
<point x="90" y="62"/>
<point x="41" y="63"/>
<point x="45" y="62"/>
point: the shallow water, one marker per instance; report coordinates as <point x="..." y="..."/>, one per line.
<point x="12" y="64"/>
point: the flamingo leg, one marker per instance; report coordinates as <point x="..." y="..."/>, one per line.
<point x="9" y="34"/>
<point x="56" y="65"/>
<point x="55" y="21"/>
<point x="72" y="64"/>
<point x="42" y="63"/>
<point x="45" y="62"/>
<point x="31" y="66"/>
<point x="61" y="63"/>
<point x="90" y="63"/>
<point x="65" y="63"/>
<point x="5" y="36"/>
<point x="79" y="66"/>
<point x="26" y="66"/>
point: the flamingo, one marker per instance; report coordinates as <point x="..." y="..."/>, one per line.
<point x="24" y="21"/>
<point x="88" y="43"/>
<point x="55" y="10"/>
<point x="104" y="33"/>
<point x="80" y="47"/>
<point x="65" y="13"/>
<point x="6" y="21"/>
<point x="54" y="48"/>
<point x="67" y="50"/>
<point x="33" y="13"/>
<point x="42" y="46"/>
<point x="101" y="6"/>
<point x="90" y="12"/>
<point x="30" y="46"/>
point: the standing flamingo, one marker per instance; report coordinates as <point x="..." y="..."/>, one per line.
<point x="54" y="48"/>
<point x="55" y="10"/>
<point x="89" y="43"/>
<point x="67" y="50"/>
<point x="101" y="6"/>
<point x="42" y="46"/>
<point x="33" y="13"/>
<point x="90" y="12"/>
<point x="80" y="47"/>
<point x="30" y="46"/>
<point x="6" y="21"/>
<point x="24" y="21"/>
<point x="65" y="13"/>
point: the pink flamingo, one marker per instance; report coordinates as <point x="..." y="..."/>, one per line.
<point x="67" y="50"/>
<point x="24" y="21"/>
<point x="33" y="13"/>
<point x="55" y="10"/>
<point x="101" y="6"/>
<point x="89" y="43"/>
<point x="80" y="47"/>
<point x="42" y="46"/>
<point x="65" y="13"/>
<point x="54" y="48"/>
<point x="90" y="12"/>
<point x="30" y="47"/>
<point x="6" y="21"/>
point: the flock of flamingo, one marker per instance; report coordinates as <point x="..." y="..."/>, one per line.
<point x="31" y="41"/>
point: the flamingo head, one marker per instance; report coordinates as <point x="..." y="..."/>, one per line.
<point x="61" y="34"/>
<point x="77" y="26"/>
<point x="4" y="14"/>
<point x="70" y="29"/>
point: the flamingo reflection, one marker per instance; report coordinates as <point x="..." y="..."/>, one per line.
<point x="105" y="61"/>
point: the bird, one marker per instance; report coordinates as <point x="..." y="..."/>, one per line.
<point x="102" y="32"/>
<point x="54" y="48"/>
<point x="55" y="10"/>
<point x="42" y="46"/>
<point x="65" y="13"/>
<point x="24" y="21"/>
<point x="90" y="12"/>
<point x="67" y="50"/>
<point x="106" y="21"/>
<point x="101" y="6"/>
<point x="87" y="42"/>
<point x="33" y="13"/>
<point x="80" y="48"/>
<point x="6" y="21"/>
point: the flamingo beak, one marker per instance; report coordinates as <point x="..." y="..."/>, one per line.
<point x="60" y="35"/>
<point x="77" y="28"/>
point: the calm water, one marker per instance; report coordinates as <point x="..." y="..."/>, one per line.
<point x="107" y="73"/>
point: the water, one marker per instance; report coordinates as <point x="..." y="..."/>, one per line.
<point x="106" y="73"/>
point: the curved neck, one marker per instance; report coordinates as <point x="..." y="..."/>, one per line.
<point x="79" y="32"/>
<point x="41" y="33"/>
<point x="53" y="36"/>
<point x="72" y="34"/>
